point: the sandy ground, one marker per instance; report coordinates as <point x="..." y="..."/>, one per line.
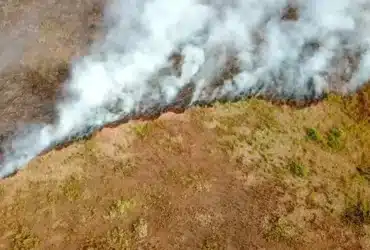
<point x="244" y="175"/>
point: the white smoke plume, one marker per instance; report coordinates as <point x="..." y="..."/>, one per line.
<point x="129" y="72"/>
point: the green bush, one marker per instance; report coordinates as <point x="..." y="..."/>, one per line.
<point x="313" y="134"/>
<point x="298" y="169"/>
<point x="334" y="137"/>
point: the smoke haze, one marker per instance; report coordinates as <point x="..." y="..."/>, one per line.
<point x="154" y="49"/>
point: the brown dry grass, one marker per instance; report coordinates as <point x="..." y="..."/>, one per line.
<point x="237" y="175"/>
<point x="243" y="175"/>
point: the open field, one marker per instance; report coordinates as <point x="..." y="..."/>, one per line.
<point x="234" y="176"/>
<point x="242" y="175"/>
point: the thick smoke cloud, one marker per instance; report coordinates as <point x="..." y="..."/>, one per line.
<point x="154" y="49"/>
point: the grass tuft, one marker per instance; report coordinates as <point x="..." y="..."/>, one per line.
<point x="334" y="139"/>
<point x="140" y="228"/>
<point x="24" y="240"/>
<point x="298" y="169"/>
<point x="282" y="230"/>
<point x="72" y="188"/>
<point x="357" y="211"/>
<point x="312" y="134"/>
<point x="142" y="130"/>
<point x="116" y="238"/>
<point x="212" y="242"/>
<point x="121" y="208"/>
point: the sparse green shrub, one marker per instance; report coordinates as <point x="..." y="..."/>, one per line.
<point x="335" y="132"/>
<point x="334" y="137"/>
<point x="142" y="130"/>
<point x="313" y="134"/>
<point x="333" y="98"/>
<point x="364" y="172"/>
<point x="358" y="212"/>
<point x="298" y="169"/>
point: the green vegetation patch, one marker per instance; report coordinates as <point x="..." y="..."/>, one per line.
<point x="313" y="135"/>
<point x="142" y="130"/>
<point x="334" y="139"/>
<point x="298" y="169"/>
<point x="357" y="211"/>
